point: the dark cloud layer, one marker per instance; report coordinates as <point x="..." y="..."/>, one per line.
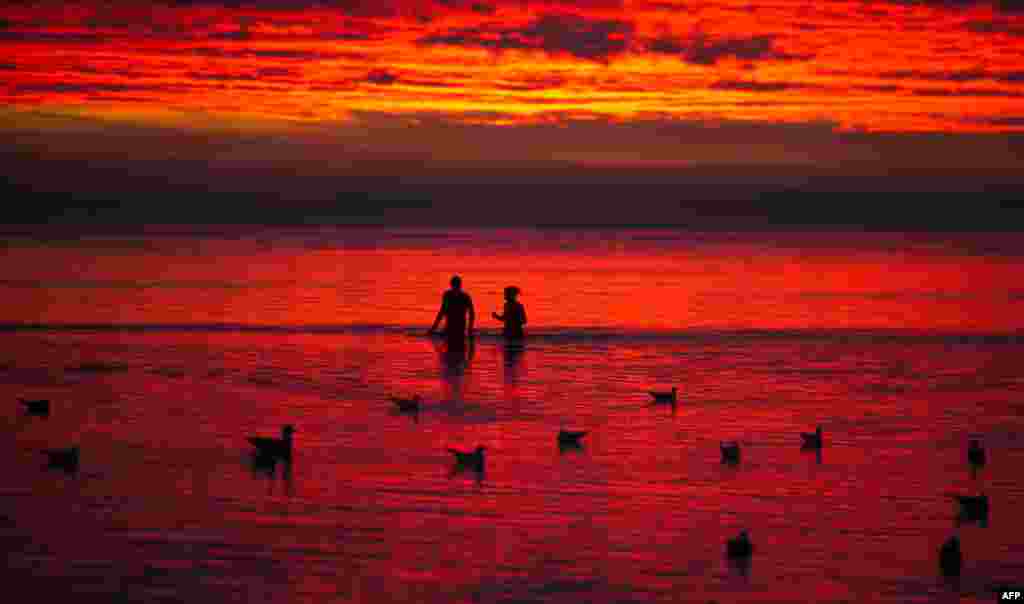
<point x="745" y="86"/>
<point x="382" y="77"/>
<point x="586" y="38"/>
<point x="702" y="49"/>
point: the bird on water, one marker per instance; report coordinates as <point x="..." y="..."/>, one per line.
<point x="36" y="406"/>
<point x="64" y="459"/>
<point x="812" y="440"/>
<point x="274" y="447"/>
<point x="739" y="546"/>
<point x="570" y="437"/>
<point x="665" y="397"/>
<point x="975" y="453"/>
<point x="730" y="451"/>
<point x="469" y="459"/>
<point x="408" y="405"/>
<point x="950" y="557"/>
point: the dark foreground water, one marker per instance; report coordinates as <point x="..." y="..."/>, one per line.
<point x="167" y="505"/>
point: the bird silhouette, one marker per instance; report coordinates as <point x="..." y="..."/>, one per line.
<point x="812" y="440"/>
<point x="950" y="557"/>
<point x="408" y="405"/>
<point x="570" y="437"/>
<point x="270" y="448"/>
<point x="665" y="397"/>
<point x="469" y="459"/>
<point x="975" y="453"/>
<point x="739" y="546"/>
<point x="64" y="459"/>
<point x="36" y="407"/>
<point x="730" y="451"/>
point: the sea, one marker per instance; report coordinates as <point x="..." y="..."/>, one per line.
<point x="162" y="351"/>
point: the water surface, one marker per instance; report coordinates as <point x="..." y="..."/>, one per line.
<point x="161" y="354"/>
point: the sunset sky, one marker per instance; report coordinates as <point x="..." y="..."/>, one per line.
<point x="454" y="90"/>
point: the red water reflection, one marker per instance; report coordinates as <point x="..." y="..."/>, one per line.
<point x="761" y="282"/>
<point x="168" y="506"/>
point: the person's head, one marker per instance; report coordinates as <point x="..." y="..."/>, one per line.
<point x="511" y="292"/>
<point x="456" y="282"/>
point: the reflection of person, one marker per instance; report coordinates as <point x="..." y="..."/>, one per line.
<point x="514" y="316"/>
<point x="455" y="305"/>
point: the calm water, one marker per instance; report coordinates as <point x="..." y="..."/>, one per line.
<point x="900" y="348"/>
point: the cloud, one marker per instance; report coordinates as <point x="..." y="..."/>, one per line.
<point x="531" y="84"/>
<point x="999" y="25"/>
<point x="1002" y="6"/>
<point x="89" y="88"/>
<point x="51" y="37"/>
<point x="966" y="92"/>
<point x="297" y="54"/>
<point x="1012" y="121"/>
<point x="748" y="86"/>
<point x="554" y="34"/>
<point x="700" y="49"/>
<point x="381" y="77"/>
<point x="970" y="75"/>
<point x="243" y="76"/>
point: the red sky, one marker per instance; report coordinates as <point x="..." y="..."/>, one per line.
<point x="659" y="83"/>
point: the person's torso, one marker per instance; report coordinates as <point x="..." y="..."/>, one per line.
<point x="513" y="318"/>
<point x="457" y="304"/>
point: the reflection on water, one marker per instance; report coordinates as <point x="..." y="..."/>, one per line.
<point x="614" y="280"/>
<point x="372" y="508"/>
<point x="764" y="341"/>
<point x="454" y="360"/>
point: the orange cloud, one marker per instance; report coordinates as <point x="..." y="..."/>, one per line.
<point x="884" y="66"/>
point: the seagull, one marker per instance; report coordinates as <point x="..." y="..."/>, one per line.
<point x="950" y="558"/>
<point x="36" y="407"/>
<point x="975" y="453"/>
<point x="812" y="440"/>
<point x="739" y="546"/>
<point x="408" y="405"/>
<point x="570" y="438"/>
<point x="730" y="451"/>
<point x="469" y="459"/>
<point x="65" y="459"/>
<point x="274" y="447"/>
<point x="664" y="397"/>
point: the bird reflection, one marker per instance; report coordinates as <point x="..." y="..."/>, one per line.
<point x="973" y="509"/>
<point x="740" y="566"/>
<point x="267" y="467"/>
<point x="817" y="453"/>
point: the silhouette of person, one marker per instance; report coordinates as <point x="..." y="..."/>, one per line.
<point x="514" y="316"/>
<point x="455" y="306"/>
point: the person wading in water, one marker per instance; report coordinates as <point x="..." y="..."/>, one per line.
<point x="455" y="306"/>
<point x="514" y="315"/>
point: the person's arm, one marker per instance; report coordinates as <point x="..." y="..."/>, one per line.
<point x="522" y="313"/>
<point x="440" y="313"/>
<point x="472" y="314"/>
<point x="497" y="316"/>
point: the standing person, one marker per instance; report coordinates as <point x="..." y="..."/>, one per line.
<point x="455" y="305"/>
<point x="514" y="316"/>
